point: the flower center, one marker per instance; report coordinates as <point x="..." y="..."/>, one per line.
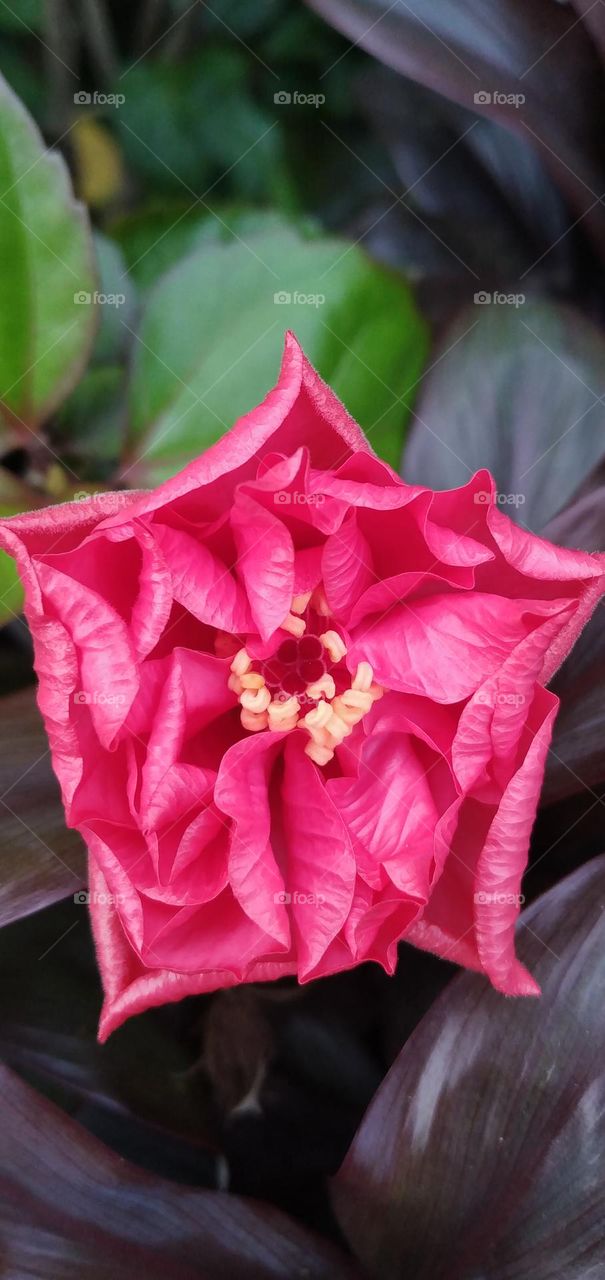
<point x="305" y="684"/>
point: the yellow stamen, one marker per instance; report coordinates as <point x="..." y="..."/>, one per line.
<point x="338" y="729"/>
<point x="254" y="722"/>
<point x="355" y="698"/>
<point x="252" y="680"/>
<point x="241" y="662"/>
<point x="256" y="700"/>
<point x="321" y="755"/>
<point x="334" y="716"/>
<point x="319" y="716"/>
<point x="334" y="644"/>
<point x="350" y="715"/>
<point x="363" y="677"/>
<point x="284" y="710"/>
<point x="296" y="626"/>
<point x="322" y="688"/>
<point x="299" y="603"/>
<point x="283" y="726"/>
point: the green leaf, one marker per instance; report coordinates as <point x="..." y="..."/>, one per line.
<point x="26" y="21"/>
<point x="11" y="591"/>
<point x="45" y="250"/>
<point x="186" y="125"/>
<point x="212" y="333"/>
<point x="90" y="424"/>
<point x="117" y="301"/>
<point x="155" y="239"/>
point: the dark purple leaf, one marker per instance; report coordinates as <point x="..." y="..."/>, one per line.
<point x="50" y="996"/>
<point x="69" y="1203"/>
<point x="517" y="390"/>
<point x="40" y="860"/>
<point x="593" y="17"/>
<point x="481" y="1154"/>
<point x="462" y="48"/>
<point x="488" y="208"/>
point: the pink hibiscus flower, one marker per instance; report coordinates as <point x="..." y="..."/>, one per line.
<point x="297" y="706"/>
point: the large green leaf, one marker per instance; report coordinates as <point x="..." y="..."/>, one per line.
<point x="15" y="496"/>
<point x="195" y="122"/>
<point x="11" y="591"/>
<point x="46" y="256"/>
<point x="154" y="239"/>
<point x="211" y="336"/>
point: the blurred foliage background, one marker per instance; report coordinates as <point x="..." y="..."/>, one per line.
<point x="355" y="171"/>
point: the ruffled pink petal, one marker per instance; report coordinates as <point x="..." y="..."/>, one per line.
<point x="57" y="668"/>
<point x="300" y="410"/>
<point x="242" y="792"/>
<point x="167" y="735"/>
<point x="391" y="810"/>
<point x="152" y="606"/>
<point x="107" y="659"/>
<point x="346" y="567"/>
<point x="492" y="722"/>
<point x="201" y="582"/>
<point x="444" y="646"/>
<point x="265" y="563"/>
<point x="182" y="789"/>
<point x="214" y="935"/>
<point x="320" y="865"/>
<point x="537" y="558"/>
<point x="502" y="863"/>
